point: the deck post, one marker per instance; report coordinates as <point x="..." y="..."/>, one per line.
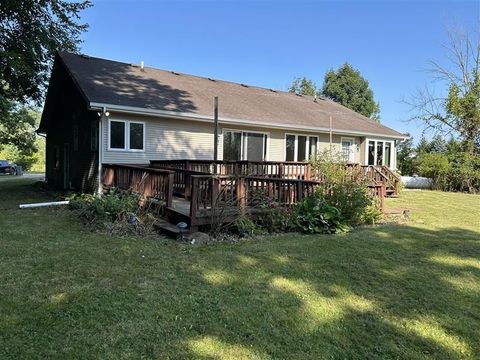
<point x="280" y="170"/>
<point x="241" y="195"/>
<point x="194" y="199"/>
<point x="169" y="188"/>
<point x="299" y="191"/>
<point x="215" y="183"/>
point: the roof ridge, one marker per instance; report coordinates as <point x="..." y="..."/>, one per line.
<point x="209" y="78"/>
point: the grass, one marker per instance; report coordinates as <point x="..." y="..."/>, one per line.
<point x="398" y="291"/>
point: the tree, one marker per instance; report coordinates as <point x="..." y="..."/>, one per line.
<point x="303" y="86"/>
<point x="30" y="33"/>
<point x="406" y="157"/>
<point x="349" y="88"/>
<point x="457" y="112"/>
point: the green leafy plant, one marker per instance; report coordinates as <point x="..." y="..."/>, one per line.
<point x="313" y="215"/>
<point x="110" y="207"/>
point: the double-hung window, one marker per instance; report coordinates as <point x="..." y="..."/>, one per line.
<point x="126" y="135"/>
<point x="300" y="147"/>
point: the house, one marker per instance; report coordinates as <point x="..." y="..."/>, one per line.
<point x="100" y="111"/>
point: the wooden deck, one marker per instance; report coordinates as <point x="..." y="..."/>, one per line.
<point x="196" y="191"/>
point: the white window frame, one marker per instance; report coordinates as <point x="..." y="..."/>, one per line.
<point x="126" y="147"/>
<point x="244" y="141"/>
<point x="295" y="150"/>
<point x="376" y="141"/>
<point x="143" y="140"/>
<point x="352" y="148"/>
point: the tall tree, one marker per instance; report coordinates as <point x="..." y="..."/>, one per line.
<point x="30" y="32"/>
<point x="406" y="157"/>
<point x="349" y="88"/>
<point x="458" y="111"/>
<point x="303" y="86"/>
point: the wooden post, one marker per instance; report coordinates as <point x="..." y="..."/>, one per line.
<point x="299" y="191"/>
<point x="215" y="183"/>
<point x="169" y="187"/>
<point x="241" y="195"/>
<point x="215" y="131"/>
<point x="280" y="170"/>
<point x="194" y="199"/>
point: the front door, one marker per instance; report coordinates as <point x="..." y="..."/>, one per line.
<point x="255" y="146"/>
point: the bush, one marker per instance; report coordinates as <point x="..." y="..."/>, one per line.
<point x="110" y="207"/>
<point x="435" y="166"/>
<point x="313" y="215"/>
<point x="353" y="200"/>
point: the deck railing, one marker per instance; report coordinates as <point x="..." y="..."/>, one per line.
<point x="279" y="169"/>
<point x="147" y="182"/>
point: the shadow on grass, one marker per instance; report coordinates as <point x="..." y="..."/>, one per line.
<point x="385" y="292"/>
<point x="394" y="292"/>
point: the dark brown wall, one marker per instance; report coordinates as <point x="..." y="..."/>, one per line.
<point x="66" y="108"/>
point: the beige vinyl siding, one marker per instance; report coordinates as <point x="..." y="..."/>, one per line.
<point x="184" y="139"/>
<point x="164" y="139"/>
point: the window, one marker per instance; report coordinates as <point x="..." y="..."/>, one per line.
<point x="347" y="150"/>
<point x="371" y="152"/>
<point x="232" y="145"/>
<point x="117" y="135"/>
<point x="300" y="147"/>
<point x="290" y="148"/>
<point x="388" y="155"/>
<point x="136" y="136"/>
<point x="380" y="153"/>
<point x="240" y="145"/>
<point x="313" y="140"/>
<point x="126" y="135"/>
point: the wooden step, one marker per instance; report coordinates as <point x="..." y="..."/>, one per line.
<point x="167" y="228"/>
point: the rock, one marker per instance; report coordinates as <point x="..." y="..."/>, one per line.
<point x="197" y="238"/>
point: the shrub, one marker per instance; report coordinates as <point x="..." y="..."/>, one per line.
<point x="435" y="166"/>
<point x="110" y="207"/>
<point x="353" y="200"/>
<point x="313" y="215"/>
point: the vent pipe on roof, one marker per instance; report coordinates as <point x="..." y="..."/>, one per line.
<point x="142" y="68"/>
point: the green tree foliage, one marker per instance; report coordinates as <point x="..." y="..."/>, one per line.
<point x="458" y="112"/>
<point x="18" y="142"/>
<point x="349" y="88"/>
<point x="30" y="33"/>
<point x="406" y="157"/>
<point x="303" y="86"/>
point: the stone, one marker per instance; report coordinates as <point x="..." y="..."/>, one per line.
<point x="197" y="238"/>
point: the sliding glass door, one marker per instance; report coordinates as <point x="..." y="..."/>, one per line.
<point x="242" y="145"/>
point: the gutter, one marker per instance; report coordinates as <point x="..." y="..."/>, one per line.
<point x="228" y="121"/>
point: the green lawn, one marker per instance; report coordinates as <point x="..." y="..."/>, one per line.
<point x="403" y="291"/>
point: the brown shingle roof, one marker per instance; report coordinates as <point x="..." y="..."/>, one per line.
<point x="122" y="84"/>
